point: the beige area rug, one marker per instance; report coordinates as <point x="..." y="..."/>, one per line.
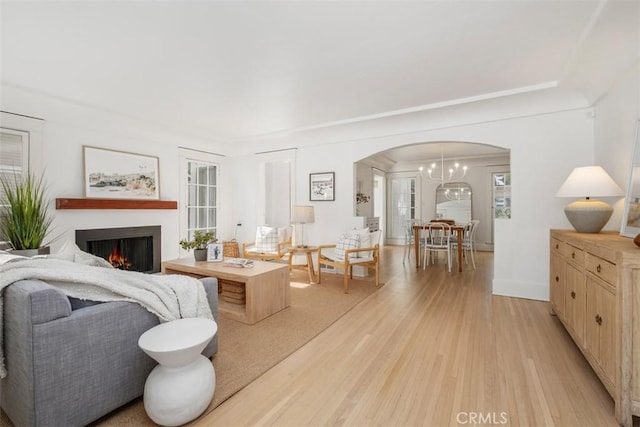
<point x="247" y="351"/>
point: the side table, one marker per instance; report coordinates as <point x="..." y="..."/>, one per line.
<point x="181" y="387"/>
<point x="308" y="250"/>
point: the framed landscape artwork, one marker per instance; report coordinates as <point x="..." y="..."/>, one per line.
<point x="120" y="175"/>
<point x="321" y="186"/>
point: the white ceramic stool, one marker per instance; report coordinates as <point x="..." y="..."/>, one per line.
<point x="181" y="387"/>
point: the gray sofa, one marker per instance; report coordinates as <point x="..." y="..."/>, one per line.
<point x="70" y="362"/>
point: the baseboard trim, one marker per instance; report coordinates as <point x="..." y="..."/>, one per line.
<point x="518" y="289"/>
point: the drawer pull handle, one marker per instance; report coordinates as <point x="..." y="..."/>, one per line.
<point x="557" y="279"/>
<point x="598" y="319"/>
<point x="598" y="268"/>
<point x="557" y="246"/>
<point x="573" y="295"/>
<point x="573" y="255"/>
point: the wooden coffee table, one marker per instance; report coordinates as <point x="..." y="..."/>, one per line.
<point x="248" y="294"/>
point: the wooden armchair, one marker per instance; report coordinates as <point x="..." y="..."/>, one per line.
<point x="358" y="247"/>
<point x="271" y="244"/>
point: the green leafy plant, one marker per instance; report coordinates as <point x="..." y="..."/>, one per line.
<point x="200" y="240"/>
<point x="24" y="215"/>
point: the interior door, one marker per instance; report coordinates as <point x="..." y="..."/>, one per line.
<point x="403" y="204"/>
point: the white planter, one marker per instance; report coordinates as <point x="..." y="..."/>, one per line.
<point x="45" y="250"/>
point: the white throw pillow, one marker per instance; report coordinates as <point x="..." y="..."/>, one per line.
<point x="266" y="239"/>
<point x="365" y="242"/>
<point x="347" y="241"/>
<point x="284" y="234"/>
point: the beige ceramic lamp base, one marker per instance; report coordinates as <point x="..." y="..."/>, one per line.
<point x="588" y="216"/>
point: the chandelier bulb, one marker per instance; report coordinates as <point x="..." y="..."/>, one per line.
<point x="455" y="171"/>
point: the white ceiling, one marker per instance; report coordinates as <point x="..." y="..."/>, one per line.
<point x="234" y="71"/>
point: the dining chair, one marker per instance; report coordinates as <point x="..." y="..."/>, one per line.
<point x="409" y="238"/>
<point x="437" y="238"/>
<point x="468" y="241"/>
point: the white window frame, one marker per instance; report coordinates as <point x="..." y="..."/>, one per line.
<point x="24" y="163"/>
<point x="391" y="216"/>
<point x="20" y="169"/>
<point x="187" y="156"/>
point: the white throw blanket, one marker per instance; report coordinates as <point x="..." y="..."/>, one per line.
<point x="169" y="297"/>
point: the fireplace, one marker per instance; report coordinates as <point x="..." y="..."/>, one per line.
<point x="127" y="248"/>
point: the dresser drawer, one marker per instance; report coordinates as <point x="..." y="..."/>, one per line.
<point x="556" y="246"/>
<point x="574" y="254"/>
<point x="601" y="268"/>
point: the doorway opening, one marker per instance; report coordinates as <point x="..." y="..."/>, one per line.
<point x="410" y="194"/>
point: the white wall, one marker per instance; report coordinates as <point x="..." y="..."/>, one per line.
<point x="608" y="72"/>
<point x="544" y="149"/>
<point x="364" y="180"/>
<point x="67" y="127"/>
<point x="540" y="148"/>
<point x="616" y="119"/>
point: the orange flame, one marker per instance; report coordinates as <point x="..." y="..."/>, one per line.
<point x="118" y="260"/>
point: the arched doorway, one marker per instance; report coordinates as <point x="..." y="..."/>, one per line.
<point x="410" y="193"/>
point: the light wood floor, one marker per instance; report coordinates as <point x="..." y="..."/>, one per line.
<point x="430" y="348"/>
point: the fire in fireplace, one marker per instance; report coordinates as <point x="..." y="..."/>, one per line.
<point x="127" y="248"/>
<point x="118" y="260"/>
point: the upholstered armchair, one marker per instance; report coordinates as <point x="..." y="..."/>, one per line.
<point x="354" y="248"/>
<point x="271" y="244"/>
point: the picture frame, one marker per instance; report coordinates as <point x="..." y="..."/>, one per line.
<point x="322" y="186"/>
<point x="113" y="174"/>
<point x="215" y="252"/>
<point x="630" y="226"/>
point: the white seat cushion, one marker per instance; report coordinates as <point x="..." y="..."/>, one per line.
<point x="359" y="260"/>
<point x="284" y="234"/>
<point x="365" y="242"/>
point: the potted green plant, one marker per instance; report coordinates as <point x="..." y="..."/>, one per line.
<point x="24" y="214"/>
<point x="199" y="244"/>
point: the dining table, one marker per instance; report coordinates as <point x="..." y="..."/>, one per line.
<point x="458" y="228"/>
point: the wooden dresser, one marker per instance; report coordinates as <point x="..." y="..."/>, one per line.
<point x="595" y="291"/>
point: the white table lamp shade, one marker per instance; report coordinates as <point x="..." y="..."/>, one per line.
<point x="302" y="215"/>
<point x="586" y="215"/>
<point x="589" y="181"/>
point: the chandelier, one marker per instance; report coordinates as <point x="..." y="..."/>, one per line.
<point x="456" y="194"/>
<point x="454" y="173"/>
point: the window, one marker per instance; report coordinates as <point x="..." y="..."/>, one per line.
<point x="200" y="200"/>
<point x="14" y="160"/>
<point x="502" y="195"/>
<point x="14" y="154"/>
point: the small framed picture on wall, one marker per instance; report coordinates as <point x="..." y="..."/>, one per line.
<point x="321" y="186"/>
